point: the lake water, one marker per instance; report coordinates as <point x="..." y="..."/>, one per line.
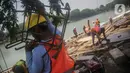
<point x="11" y="56"/>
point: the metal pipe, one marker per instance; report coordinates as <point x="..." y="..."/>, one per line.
<point x="16" y="4"/>
<point x="38" y="18"/>
<point x="65" y="23"/>
<point x="20" y="47"/>
<point x="9" y="46"/>
<point x="13" y="44"/>
<point x="16" y="43"/>
<point x="64" y="27"/>
<point x="23" y="25"/>
<point x="3" y="58"/>
<point x="28" y="26"/>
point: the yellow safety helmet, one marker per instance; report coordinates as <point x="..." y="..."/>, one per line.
<point x="34" y="20"/>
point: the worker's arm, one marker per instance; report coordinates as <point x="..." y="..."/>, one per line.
<point x="52" y="28"/>
<point x="29" y="59"/>
<point x="36" y="63"/>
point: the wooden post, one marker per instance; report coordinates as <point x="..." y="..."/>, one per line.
<point x="89" y="24"/>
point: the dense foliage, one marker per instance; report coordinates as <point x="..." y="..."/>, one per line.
<point x="8" y="17"/>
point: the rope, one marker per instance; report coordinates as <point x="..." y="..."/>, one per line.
<point x="3" y="58"/>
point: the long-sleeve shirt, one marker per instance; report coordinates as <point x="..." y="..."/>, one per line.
<point x="35" y="62"/>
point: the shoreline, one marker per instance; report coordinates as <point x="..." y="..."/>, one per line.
<point x="82" y="44"/>
<point x="103" y="23"/>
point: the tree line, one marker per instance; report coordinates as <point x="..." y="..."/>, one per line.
<point x="76" y="14"/>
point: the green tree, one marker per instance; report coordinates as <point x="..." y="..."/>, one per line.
<point x="8" y="17"/>
<point x="118" y="1"/>
<point x="75" y="14"/>
<point x="97" y="10"/>
<point x="110" y="6"/>
<point x="85" y="13"/>
<point x="102" y="8"/>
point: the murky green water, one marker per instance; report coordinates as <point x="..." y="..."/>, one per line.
<point x="12" y="56"/>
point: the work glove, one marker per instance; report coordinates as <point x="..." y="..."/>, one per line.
<point x="30" y="45"/>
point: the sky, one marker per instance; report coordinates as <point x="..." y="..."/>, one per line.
<point x="74" y="4"/>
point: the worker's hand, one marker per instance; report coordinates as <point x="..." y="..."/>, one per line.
<point x="30" y="45"/>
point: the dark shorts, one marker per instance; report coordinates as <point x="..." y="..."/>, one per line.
<point x="102" y="29"/>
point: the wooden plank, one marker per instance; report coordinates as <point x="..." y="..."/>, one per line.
<point x="81" y="58"/>
<point x="119" y="36"/>
<point x="88" y="51"/>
